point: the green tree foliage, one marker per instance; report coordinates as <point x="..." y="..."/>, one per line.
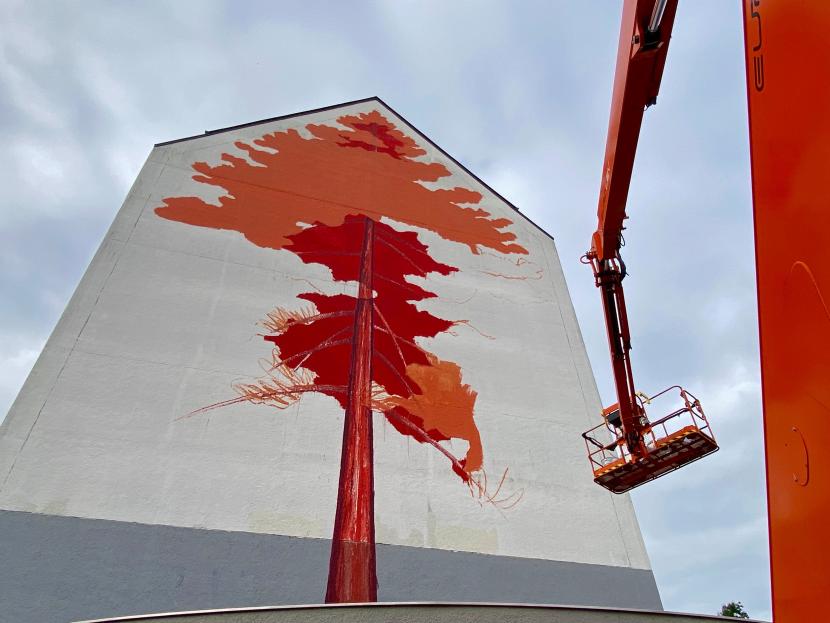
<point x="733" y="609"/>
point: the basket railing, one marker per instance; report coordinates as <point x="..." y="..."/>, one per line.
<point x="606" y="445"/>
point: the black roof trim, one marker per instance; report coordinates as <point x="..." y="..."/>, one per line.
<point x="363" y="101"/>
<point x="272" y="119"/>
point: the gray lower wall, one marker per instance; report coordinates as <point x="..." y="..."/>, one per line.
<point x="58" y="569"/>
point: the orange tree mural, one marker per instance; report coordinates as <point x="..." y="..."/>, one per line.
<point x="362" y="349"/>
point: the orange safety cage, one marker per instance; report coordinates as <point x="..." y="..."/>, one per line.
<point x="679" y="438"/>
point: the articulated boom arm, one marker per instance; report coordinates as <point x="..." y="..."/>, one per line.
<point x="640" y="450"/>
<point x="644" y="42"/>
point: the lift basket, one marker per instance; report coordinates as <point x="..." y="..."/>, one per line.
<point x="679" y="438"/>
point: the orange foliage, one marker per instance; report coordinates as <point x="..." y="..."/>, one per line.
<point x="444" y="406"/>
<point x="366" y="167"/>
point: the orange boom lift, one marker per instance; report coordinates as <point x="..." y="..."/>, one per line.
<point x="787" y="58"/>
<point x="627" y="449"/>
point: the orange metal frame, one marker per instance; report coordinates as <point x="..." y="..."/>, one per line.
<point x="675" y="440"/>
<point x="788" y="90"/>
<point x="644" y="42"/>
<point x="643" y="46"/>
<point x="787" y="67"/>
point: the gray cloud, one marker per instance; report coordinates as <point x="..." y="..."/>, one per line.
<point x="519" y="94"/>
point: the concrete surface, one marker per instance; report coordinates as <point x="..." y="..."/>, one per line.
<point x="83" y="568"/>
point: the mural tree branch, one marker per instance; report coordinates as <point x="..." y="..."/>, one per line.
<point x="361" y="350"/>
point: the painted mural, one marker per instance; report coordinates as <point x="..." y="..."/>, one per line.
<point x="347" y="197"/>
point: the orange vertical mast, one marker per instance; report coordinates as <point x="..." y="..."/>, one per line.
<point x="788" y="72"/>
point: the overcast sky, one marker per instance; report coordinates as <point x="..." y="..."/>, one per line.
<point x="519" y="93"/>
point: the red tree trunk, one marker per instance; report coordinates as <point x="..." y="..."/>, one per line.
<point x="352" y="574"/>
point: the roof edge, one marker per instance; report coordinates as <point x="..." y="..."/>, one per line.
<point x="272" y="119"/>
<point x="377" y="99"/>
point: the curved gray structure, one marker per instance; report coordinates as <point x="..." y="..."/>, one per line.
<point x="423" y="613"/>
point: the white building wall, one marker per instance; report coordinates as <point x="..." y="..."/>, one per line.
<point x="164" y="322"/>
